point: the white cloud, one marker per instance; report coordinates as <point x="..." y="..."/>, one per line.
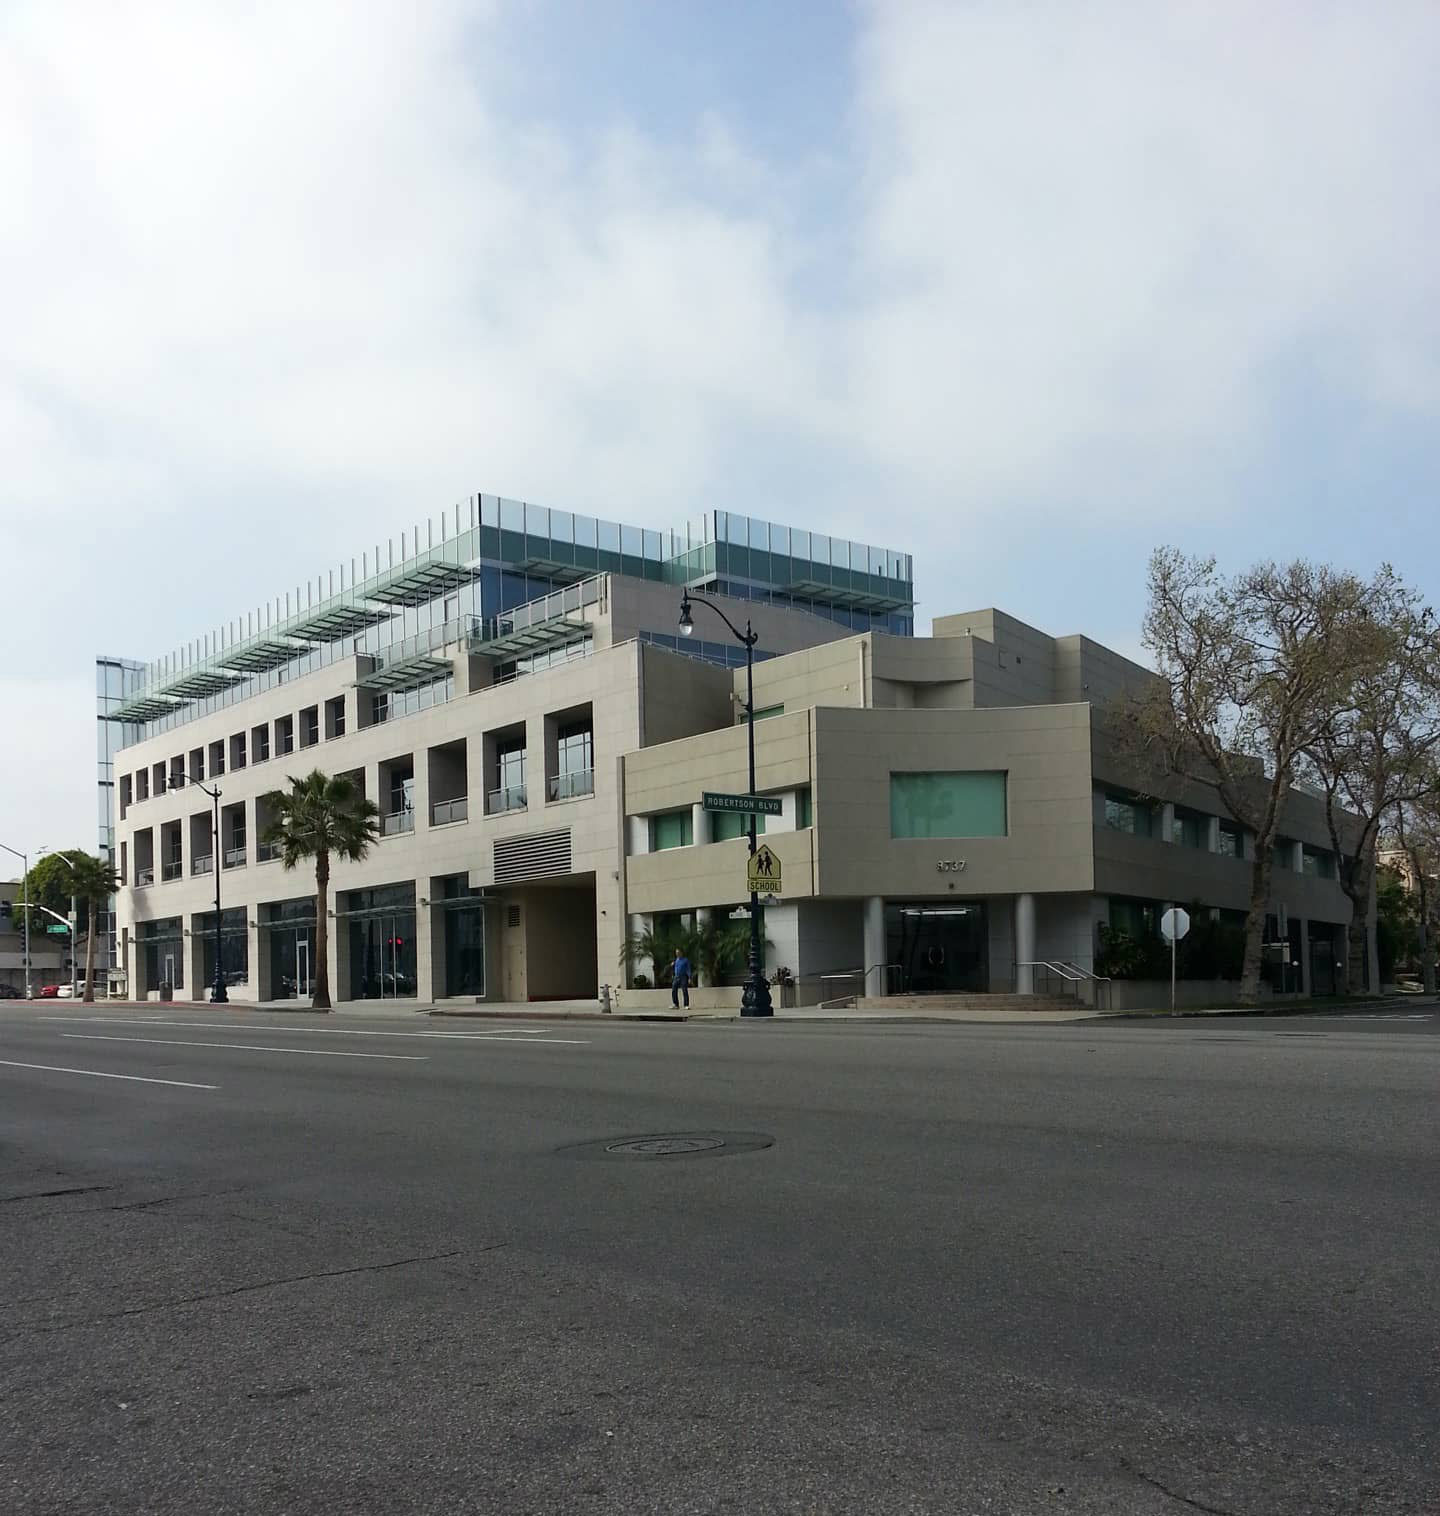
<point x="284" y="264"/>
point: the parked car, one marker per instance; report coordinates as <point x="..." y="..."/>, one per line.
<point x="66" y="992"/>
<point x="49" y="991"/>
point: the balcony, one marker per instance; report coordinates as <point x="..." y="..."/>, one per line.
<point x="203" y="865"/>
<point x="171" y="870"/>
<point x="144" y="877"/>
<point x="512" y="798"/>
<point x="396" y="823"/>
<point x="234" y="857"/>
<point x="266" y="852"/>
<point x="571" y="786"/>
<point x="445" y="812"/>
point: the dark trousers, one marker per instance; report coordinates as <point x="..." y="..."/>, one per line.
<point x="680" y="987"/>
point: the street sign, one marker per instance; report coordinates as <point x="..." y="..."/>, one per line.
<point x="57" y="931"/>
<point x="760" y="805"/>
<point x="762" y="872"/>
<point x="1174" y="924"/>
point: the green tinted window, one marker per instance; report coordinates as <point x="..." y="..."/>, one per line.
<point x="673" y="829"/>
<point x="727" y="824"/>
<point x="1125" y="815"/>
<point x="948" y="805"/>
<point x="803" y="816"/>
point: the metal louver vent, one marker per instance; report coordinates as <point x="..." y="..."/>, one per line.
<point x="539" y="855"/>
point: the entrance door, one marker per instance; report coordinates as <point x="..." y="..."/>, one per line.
<point x="304" y="985"/>
<point x="1322" y="961"/>
<point x="939" y="949"/>
<point x="170" y="969"/>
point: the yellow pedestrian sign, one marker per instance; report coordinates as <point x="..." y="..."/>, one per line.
<point x="762" y="872"/>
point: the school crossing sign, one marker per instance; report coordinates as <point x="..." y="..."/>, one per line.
<point x="762" y="872"/>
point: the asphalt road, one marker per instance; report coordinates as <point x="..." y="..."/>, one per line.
<point x="364" y="1267"/>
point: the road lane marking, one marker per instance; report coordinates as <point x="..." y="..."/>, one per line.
<point x="50" y="1068"/>
<point x="244" y="1047"/>
<point x="504" y="1034"/>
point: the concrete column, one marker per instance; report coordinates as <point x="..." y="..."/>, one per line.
<point x="1167" y="821"/>
<point x="1212" y="834"/>
<point x="1305" y="958"/>
<point x="637" y="836"/>
<point x="1024" y="944"/>
<point x="425" y="975"/>
<point x="700" y="824"/>
<point x="874" y="942"/>
<point x="786" y="820"/>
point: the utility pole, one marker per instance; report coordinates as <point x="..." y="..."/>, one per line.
<point x="24" y="906"/>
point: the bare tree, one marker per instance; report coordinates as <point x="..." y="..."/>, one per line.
<point x="1414" y="833"/>
<point x="1375" y="753"/>
<point x="1251" y="668"/>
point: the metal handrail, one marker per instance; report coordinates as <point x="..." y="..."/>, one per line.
<point x="1097" y="980"/>
<point x="1055" y="968"/>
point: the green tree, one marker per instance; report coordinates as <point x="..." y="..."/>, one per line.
<point x="320" y="817"/>
<point x="48" y="884"/>
<point x="92" y="881"/>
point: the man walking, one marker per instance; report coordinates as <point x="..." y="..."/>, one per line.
<point x="680" y="979"/>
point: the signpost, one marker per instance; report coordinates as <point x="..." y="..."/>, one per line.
<point x="1173" y="926"/>
<point x="759" y="805"/>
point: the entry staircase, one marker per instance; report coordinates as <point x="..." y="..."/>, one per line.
<point x="977" y="1002"/>
<point x="1075" y="988"/>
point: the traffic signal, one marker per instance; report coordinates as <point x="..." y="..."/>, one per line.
<point x="4" y="910"/>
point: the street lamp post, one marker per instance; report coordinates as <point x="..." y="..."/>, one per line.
<point x="218" y="995"/>
<point x="24" y="906"/>
<point x="755" y="1001"/>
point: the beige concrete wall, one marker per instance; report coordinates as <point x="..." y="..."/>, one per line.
<point x="713" y="874"/>
<point x="1045" y="750"/>
<point x="681" y="696"/>
<point x="648" y="604"/>
<point x="560" y="944"/>
<point x="835" y="674"/>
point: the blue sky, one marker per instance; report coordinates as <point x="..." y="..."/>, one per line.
<point x="1026" y="289"/>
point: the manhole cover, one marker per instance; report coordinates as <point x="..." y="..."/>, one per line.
<point x="654" y="1145"/>
<point x="666" y="1147"/>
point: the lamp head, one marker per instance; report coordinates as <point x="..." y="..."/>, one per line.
<point x="687" y="625"/>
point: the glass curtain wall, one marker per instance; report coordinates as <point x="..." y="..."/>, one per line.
<point x="163" y="945"/>
<point x="234" y="946"/>
<point x="939" y="950"/>
<point x="289" y="926"/>
<point x="381" y="929"/>
<point x="464" y="929"/>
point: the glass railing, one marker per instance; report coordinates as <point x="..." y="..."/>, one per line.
<point x="443" y="812"/>
<point x="204" y="865"/>
<point x="396" y="823"/>
<point x="512" y="798"/>
<point x="234" y="857"/>
<point x="171" y="870"/>
<point x="144" y="877"/>
<point x="266" y="852"/>
<point x="569" y="786"/>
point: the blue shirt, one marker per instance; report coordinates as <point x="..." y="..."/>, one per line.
<point x="681" y="969"/>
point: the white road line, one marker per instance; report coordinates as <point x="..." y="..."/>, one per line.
<point x="506" y="1034"/>
<point x="243" y="1047"/>
<point x="50" y="1068"/>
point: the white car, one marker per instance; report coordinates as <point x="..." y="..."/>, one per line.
<point x="65" y="992"/>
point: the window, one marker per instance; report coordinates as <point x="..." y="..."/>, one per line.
<point x="142" y="784"/>
<point x="310" y="726"/>
<point x="260" y="744"/>
<point x="284" y="735"/>
<point x="1282" y="854"/>
<point x="1189" y="829"/>
<point x="1123" y="814"/>
<point x="967" y="804"/>
<point x="217" y="758"/>
<point x="1318" y="863"/>
<point x="197" y="763"/>
<point x="574" y="760"/>
<point x="335" y="717"/>
<point x="237" y="751"/>
<point x="1138" y="919"/>
<point x="762" y="714"/>
<point x="1232" y="839"/>
<point x="672" y="829"/>
<point x="727" y="824"/>
<point x="804" y="816"/>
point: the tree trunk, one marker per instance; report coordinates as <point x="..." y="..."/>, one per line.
<point x="320" y="1000"/>
<point x="1357" y="954"/>
<point x="1427" y="955"/>
<point x="1255" y="927"/>
<point x="90" y="956"/>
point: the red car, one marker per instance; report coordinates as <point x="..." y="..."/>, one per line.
<point x="49" y="991"/>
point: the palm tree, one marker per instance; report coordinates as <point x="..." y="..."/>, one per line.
<point x="321" y="815"/>
<point x="92" y="881"/>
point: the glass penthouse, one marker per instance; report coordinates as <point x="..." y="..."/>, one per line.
<point x="494" y="591"/>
